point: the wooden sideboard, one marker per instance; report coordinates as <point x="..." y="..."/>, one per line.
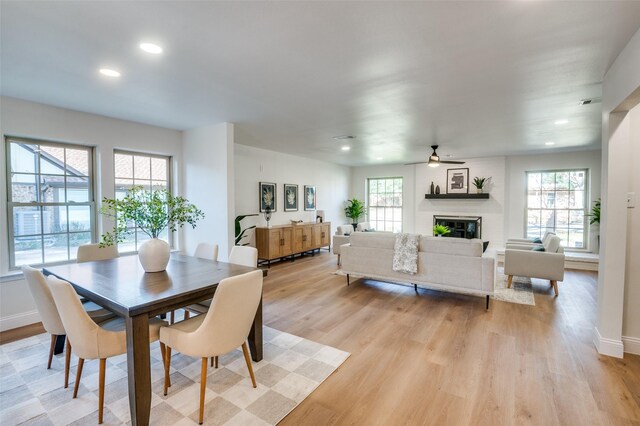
<point x="281" y="241"/>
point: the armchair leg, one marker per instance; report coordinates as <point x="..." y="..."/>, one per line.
<point x="348" y="279"/>
<point x="510" y="281"/>
<point x="338" y="260"/>
<point x="487" y="304"/>
<point x="554" y="283"/>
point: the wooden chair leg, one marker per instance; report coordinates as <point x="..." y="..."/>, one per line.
<point x="203" y="388"/>
<point x="78" y="375"/>
<point x="103" y="368"/>
<point x="248" y="360"/>
<point x="510" y="281"/>
<point x="187" y="314"/>
<point x="167" y="365"/>
<point x="67" y="363"/>
<point x="51" y="348"/>
<point x="163" y="351"/>
<point x="555" y="286"/>
<point x="173" y="317"/>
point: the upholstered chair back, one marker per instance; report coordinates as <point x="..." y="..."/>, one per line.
<point x="344" y="230"/>
<point x="244" y="255"/>
<point x="207" y="251"/>
<point x="553" y="245"/>
<point x="91" y="252"/>
<point x="41" y="293"/>
<point x="362" y="226"/>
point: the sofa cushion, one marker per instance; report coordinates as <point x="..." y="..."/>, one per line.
<point x="385" y="240"/>
<point x="538" y="248"/>
<point x="456" y="246"/>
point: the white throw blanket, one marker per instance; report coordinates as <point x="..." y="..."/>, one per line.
<point x="405" y="256"/>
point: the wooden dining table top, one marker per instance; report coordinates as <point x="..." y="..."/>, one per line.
<point x="122" y="285"/>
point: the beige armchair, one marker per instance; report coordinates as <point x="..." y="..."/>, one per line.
<point x="525" y="261"/>
<point x="529" y="241"/>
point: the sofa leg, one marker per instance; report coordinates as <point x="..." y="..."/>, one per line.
<point x="348" y="279"/>
<point x="415" y="287"/>
<point x="510" y="281"/>
<point x="338" y="260"/>
<point x="487" y="304"/>
<point x="555" y="286"/>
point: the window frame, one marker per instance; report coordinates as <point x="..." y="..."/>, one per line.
<point x="8" y="140"/>
<point x="586" y="231"/>
<point x="401" y="207"/>
<point x="169" y="180"/>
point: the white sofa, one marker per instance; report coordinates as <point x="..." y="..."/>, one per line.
<point x="342" y="235"/>
<point x="449" y="264"/>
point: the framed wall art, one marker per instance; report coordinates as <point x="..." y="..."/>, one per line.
<point x="267" y="192"/>
<point x="458" y="181"/>
<point x="309" y="197"/>
<point x="290" y="197"/>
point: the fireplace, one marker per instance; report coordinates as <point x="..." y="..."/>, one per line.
<point x="461" y="226"/>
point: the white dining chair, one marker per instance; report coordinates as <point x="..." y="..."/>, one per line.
<point x="46" y="306"/>
<point x="90" y="340"/>
<point x="223" y="328"/>
<point x="91" y="252"/>
<point x="207" y="251"/>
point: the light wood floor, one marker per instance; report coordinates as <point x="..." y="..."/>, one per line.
<point x="440" y="358"/>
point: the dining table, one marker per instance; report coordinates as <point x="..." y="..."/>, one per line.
<point x="122" y="286"/>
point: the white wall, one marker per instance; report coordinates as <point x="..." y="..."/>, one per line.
<point x="208" y="183"/>
<point x="254" y="165"/>
<point x="359" y="176"/>
<point x="620" y="82"/>
<point x="28" y="119"/>
<point x="516" y="184"/>
<point x="631" y="318"/>
<point x="491" y="210"/>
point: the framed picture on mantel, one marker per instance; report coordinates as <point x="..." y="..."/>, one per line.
<point x="458" y="181"/>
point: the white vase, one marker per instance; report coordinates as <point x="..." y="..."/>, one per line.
<point x="154" y="255"/>
<point x="480" y="191"/>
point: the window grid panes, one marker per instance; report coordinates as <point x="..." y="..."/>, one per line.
<point x="557" y="202"/>
<point x="385" y="203"/>
<point x="50" y="200"/>
<point x="148" y="171"/>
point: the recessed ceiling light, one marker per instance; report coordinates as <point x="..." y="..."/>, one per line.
<point x="346" y="148"/>
<point x="343" y="137"/>
<point x="109" y="72"/>
<point x="550" y="143"/>
<point x="151" y="48"/>
<point x="379" y="158"/>
<point x="562" y="121"/>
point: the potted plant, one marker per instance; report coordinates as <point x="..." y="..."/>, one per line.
<point x="152" y="212"/>
<point x="440" y="230"/>
<point x="595" y="213"/>
<point x="480" y="182"/>
<point x="354" y="210"/>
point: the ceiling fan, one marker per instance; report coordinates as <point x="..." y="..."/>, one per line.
<point x="434" y="159"/>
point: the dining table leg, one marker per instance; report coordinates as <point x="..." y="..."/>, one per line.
<point x="139" y="369"/>
<point x="255" y="335"/>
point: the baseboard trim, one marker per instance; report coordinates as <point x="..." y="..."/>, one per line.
<point x="609" y="347"/>
<point x="631" y="345"/>
<point x="19" y="320"/>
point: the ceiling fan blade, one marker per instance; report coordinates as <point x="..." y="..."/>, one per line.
<point x="451" y="162"/>
<point x="419" y="162"/>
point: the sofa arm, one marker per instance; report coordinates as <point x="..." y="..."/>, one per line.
<point x="534" y="264"/>
<point x="339" y="240"/>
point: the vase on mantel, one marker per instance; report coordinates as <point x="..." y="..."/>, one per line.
<point x="154" y="255"/>
<point x="480" y="190"/>
<point x="437" y="189"/>
<point x="431" y="189"/>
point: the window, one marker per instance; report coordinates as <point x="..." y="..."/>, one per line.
<point x="50" y="200"/>
<point x="148" y="171"/>
<point x="557" y="202"/>
<point x="385" y="203"/>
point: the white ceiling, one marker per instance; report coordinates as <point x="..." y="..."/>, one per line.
<point x="478" y="78"/>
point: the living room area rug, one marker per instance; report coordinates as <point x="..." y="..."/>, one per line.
<point x="292" y="368"/>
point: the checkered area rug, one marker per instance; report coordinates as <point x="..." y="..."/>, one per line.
<point x="292" y="368"/>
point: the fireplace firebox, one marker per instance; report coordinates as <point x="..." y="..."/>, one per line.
<point x="461" y="226"/>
